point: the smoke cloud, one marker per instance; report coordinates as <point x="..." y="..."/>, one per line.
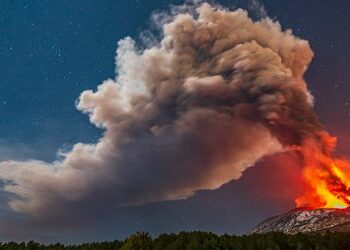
<point x="192" y="112"/>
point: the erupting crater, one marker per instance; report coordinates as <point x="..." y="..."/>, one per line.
<point x="325" y="204"/>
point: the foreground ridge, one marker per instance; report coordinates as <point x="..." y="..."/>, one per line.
<point x="204" y="240"/>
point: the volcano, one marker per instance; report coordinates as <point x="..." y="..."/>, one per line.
<point x="307" y="220"/>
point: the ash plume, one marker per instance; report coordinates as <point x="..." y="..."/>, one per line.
<point x="192" y="112"/>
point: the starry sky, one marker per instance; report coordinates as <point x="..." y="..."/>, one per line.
<point x="52" y="50"/>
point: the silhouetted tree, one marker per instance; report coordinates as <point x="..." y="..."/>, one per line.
<point x="204" y="241"/>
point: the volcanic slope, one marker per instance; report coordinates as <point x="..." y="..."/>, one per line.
<point x="307" y="220"/>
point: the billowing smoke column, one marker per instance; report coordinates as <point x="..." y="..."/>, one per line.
<point x="192" y="112"/>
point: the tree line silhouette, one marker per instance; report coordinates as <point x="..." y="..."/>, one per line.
<point x="204" y="241"/>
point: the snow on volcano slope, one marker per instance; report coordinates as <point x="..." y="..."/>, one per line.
<point x="306" y="220"/>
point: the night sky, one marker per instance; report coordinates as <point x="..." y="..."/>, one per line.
<point x="52" y="50"/>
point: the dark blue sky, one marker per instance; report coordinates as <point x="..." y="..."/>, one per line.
<point x="52" y="50"/>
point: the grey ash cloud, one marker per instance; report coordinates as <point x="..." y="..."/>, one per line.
<point x="188" y="113"/>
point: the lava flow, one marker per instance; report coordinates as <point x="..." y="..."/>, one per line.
<point x="327" y="178"/>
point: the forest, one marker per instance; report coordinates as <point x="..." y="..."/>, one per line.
<point x="203" y="240"/>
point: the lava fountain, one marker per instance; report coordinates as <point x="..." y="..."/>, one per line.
<point x="327" y="178"/>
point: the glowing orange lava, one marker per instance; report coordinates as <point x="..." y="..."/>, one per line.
<point x="328" y="182"/>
